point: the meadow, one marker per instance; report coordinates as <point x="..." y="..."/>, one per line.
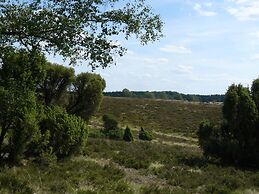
<point x="171" y="163"/>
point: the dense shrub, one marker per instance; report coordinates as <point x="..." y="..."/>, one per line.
<point x="145" y="135"/>
<point x="209" y="138"/>
<point x="237" y="138"/>
<point x="18" y="124"/>
<point x="63" y="133"/>
<point x="111" y="128"/>
<point x="127" y="134"/>
<point x="109" y="122"/>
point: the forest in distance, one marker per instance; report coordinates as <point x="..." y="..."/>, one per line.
<point x="167" y="95"/>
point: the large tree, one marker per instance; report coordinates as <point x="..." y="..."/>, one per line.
<point x="77" y="29"/>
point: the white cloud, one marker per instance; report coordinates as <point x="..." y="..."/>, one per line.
<point x="184" y="69"/>
<point x="130" y="52"/>
<point x="244" y="9"/>
<point x="175" y="49"/>
<point x="255" y="34"/>
<point x="154" y="60"/>
<point x="198" y="8"/>
<point x="255" y="57"/>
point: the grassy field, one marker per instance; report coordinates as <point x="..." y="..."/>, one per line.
<point x="171" y="163"/>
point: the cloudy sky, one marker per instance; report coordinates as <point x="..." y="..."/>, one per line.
<point x="208" y="45"/>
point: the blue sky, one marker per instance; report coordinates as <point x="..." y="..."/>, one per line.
<point x="208" y="45"/>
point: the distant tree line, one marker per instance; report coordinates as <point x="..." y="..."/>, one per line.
<point x="166" y="95"/>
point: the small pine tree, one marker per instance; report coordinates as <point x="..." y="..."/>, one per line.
<point x="128" y="135"/>
<point x="145" y="135"/>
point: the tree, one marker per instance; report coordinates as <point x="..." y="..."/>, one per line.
<point x="237" y="138"/>
<point x="55" y="85"/>
<point x="86" y="95"/>
<point x="162" y="95"/>
<point x="77" y="30"/>
<point x="126" y="93"/>
<point x="255" y="92"/>
<point x="127" y="134"/>
<point x="18" y="113"/>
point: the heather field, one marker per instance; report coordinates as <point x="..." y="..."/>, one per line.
<point x="171" y="163"/>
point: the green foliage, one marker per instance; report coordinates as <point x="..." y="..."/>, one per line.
<point x="111" y="128"/>
<point x="126" y="93"/>
<point x="20" y="68"/>
<point x="85" y="31"/>
<point x="55" y="85"/>
<point x="209" y="138"/>
<point x="167" y="95"/>
<point x="145" y="135"/>
<point x="109" y="123"/>
<point x="255" y="92"/>
<point x="128" y="135"/>
<point x="67" y="133"/>
<point x="18" y="122"/>
<point x="237" y="139"/>
<point x="86" y="95"/>
<point x="20" y="73"/>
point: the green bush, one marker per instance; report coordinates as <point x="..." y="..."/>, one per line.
<point x="236" y="140"/>
<point x="208" y="136"/>
<point x="109" y="123"/>
<point x="67" y="133"/>
<point x="127" y="134"/>
<point x="111" y="128"/>
<point x="18" y="123"/>
<point x="145" y="135"/>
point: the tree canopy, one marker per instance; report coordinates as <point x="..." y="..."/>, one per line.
<point x="77" y="29"/>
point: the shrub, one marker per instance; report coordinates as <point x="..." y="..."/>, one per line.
<point x="127" y="134"/>
<point x="67" y="133"/>
<point x="145" y="135"/>
<point x="209" y="138"/>
<point x="116" y="134"/>
<point x="18" y="123"/>
<point x="236" y="140"/>
<point x="111" y="128"/>
<point x="109" y="123"/>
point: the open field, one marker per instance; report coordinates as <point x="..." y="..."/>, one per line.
<point x="171" y="163"/>
<point x="160" y="115"/>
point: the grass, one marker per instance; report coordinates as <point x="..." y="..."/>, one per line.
<point x="171" y="163"/>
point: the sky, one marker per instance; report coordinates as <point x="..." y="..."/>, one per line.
<point x="207" y="46"/>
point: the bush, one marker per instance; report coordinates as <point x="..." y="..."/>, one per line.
<point x="18" y="123"/>
<point x="116" y="134"/>
<point x="111" y="129"/>
<point x="109" y="123"/>
<point x="66" y="134"/>
<point x="236" y="140"/>
<point x="209" y="138"/>
<point x="145" y="135"/>
<point x="127" y="134"/>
